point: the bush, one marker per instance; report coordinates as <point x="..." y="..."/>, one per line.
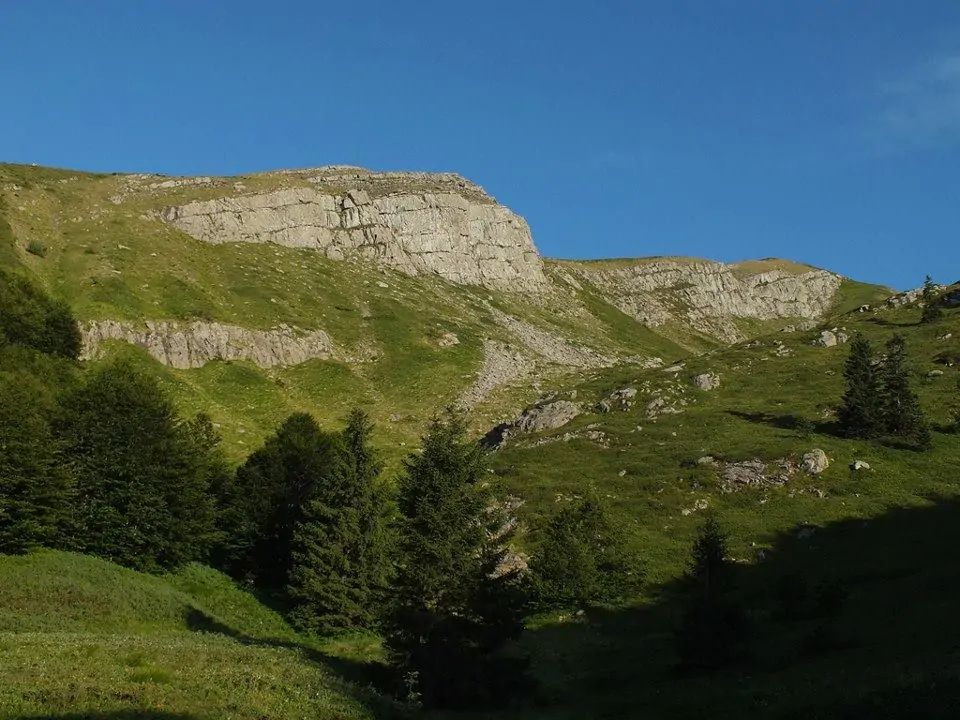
<point x="582" y="560"/>
<point x="37" y="248"/>
<point x="30" y="318"/>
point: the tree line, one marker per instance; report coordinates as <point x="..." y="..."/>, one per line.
<point x="97" y="459"/>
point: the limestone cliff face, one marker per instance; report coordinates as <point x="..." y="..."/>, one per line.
<point x="710" y="296"/>
<point x="417" y="223"/>
<point x="197" y="343"/>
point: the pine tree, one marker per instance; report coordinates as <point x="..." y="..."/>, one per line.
<point x="582" y="560"/>
<point x="452" y="613"/>
<point x="902" y="415"/>
<point x="143" y="497"/>
<point x="268" y="498"/>
<point x="341" y="548"/>
<point x="713" y="631"/>
<point x="859" y="414"/>
<point x="931" y="302"/>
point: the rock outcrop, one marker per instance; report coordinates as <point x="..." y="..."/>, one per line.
<point x="194" y="344"/>
<point x="417" y="223"/>
<point x="709" y="296"/>
<point x="548" y="415"/>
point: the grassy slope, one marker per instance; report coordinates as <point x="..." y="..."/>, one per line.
<point x="878" y="530"/>
<point x="119" y="261"/>
<point x="880" y="533"/>
<point x="81" y="635"/>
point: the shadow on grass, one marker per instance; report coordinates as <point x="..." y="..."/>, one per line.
<point x="854" y="619"/>
<point x="114" y="715"/>
<point x="885" y="322"/>
<point x="796" y="423"/>
<point x="361" y="676"/>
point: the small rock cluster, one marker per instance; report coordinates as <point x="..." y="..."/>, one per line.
<point x="736" y="476"/>
<point x="831" y="338"/>
<point x="622" y="399"/>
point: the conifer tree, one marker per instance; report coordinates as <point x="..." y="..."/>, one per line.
<point x="902" y="415"/>
<point x="452" y="612"/>
<point x="582" y="560"/>
<point x="713" y="630"/>
<point x="341" y="548"/>
<point x="931" y="302"/>
<point x="859" y="414"/>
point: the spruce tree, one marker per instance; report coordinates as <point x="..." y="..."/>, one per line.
<point x="902" y="415"/>
<point x="341" y="547"/>
<point x="452" y="613"/>
<point x="931" y="302"/>
<point x="713" y="630"/>
<point x="582" y="560"/>
<point x="859" y="414"/>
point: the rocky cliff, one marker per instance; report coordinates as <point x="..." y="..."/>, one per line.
<point x="417" y="223"/>
<point x="711" y="296"/>
<point x="192" y="345"/>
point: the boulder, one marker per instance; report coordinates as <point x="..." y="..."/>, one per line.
<point x="859" y="465"/>
<point x="707" y="381"/>
<point x="815" y="461"/>
<point x="538" y="418"/>
<point x="448" y="339"/>
<point x="546" y="417"/>
<point x="826" y="339"/>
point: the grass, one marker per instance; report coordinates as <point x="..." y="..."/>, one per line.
<point x="81" y="635"/>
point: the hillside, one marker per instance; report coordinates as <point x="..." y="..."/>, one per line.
<point x="322" y="289"/>
<point x="81" y="637"/>
<point x="79" y="633"/>
<point x="676" y="389"/>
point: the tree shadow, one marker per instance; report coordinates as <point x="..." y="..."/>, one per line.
<point x="885" y="322"/>
<point x="853" y="619"/>
<point x="361" y="676"/>
<point x="114" y="715"/>
<point x="795" y="423"/>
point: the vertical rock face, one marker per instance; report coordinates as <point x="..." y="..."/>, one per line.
<point x="416" y="223"/>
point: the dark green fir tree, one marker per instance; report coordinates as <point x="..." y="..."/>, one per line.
<point x="860" y="411"/>
<point x="453" y="608"/>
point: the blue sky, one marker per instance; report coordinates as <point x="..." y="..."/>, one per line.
<point x="819" y="130"/>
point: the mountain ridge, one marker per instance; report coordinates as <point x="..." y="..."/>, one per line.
<point x="342" y="281"/>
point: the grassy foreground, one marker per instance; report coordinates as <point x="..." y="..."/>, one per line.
<point x="81" y="637"/>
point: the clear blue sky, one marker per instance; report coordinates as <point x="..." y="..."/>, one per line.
<point x="821" y="130"/>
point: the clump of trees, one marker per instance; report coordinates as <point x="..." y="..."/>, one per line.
<point x="879" y="399"/>
<point x="98" y="459"/>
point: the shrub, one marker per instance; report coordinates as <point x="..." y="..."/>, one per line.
<point x="37" y="248"/>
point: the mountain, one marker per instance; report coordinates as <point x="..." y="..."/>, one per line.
<point x="673" y="389"/>
<point x="404" y="292"/>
